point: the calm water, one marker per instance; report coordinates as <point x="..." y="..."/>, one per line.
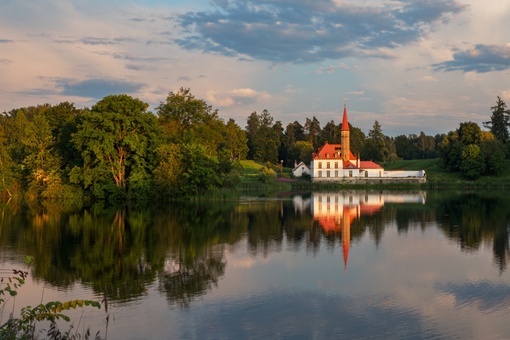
<point x="351" y="265"/>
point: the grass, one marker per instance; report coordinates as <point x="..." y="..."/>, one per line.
<point x="439" y="178"/>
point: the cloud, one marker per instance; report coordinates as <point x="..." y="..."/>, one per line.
<point x="97" y="88"/>
<point x="242" y="96"/>
<point x="485" y="296"/>
<point x="480" y="59"/>
<point x="6" y="41"/>
<point x="90" y="88"/>
<point x="94" y="40"/>
<point x="5" y="61"/>
<point x="305" y="31"/>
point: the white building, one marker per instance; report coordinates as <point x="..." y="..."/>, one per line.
<point x="336" y="163"/>
<point x="300" y="169"/>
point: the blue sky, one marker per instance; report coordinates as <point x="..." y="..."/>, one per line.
<point x="413" y="65"/>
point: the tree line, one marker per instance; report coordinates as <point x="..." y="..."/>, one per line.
<point x="117" y="149"/>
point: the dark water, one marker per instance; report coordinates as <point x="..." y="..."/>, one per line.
<point x="350" y="265"/>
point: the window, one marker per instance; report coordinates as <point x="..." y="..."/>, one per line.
<point x="336" y="165"/>
<point x="366" y="173"/>
<point x="327" y="173"/>
<point x="320" y="165"/>
<point x="350" y="173"/>
<point x="320" y="173"/>
<point x="327" y="165"/>
<point x="336" y="173"/>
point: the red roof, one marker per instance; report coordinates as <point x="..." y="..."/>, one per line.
<point x="369" y="165"/>
<point x="331" y="151"/>
<point x="345" y="122"/>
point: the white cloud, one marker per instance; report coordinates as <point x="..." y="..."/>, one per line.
<point x="237" y="97"/>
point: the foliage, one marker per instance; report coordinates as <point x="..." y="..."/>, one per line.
<point x="117" y="139"/>
<point x="24" y="327"/>
<point x="500" y="121"/>
<point x="375" y="147"/>
<point x="471" y="151"/>
<point x="267" y="175"/>
<point x="472" y="162"/>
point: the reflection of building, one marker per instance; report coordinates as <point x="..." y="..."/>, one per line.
<point x="336" y="163"/>
<point x="335" y="211"/>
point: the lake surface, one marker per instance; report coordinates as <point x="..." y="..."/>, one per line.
<point x="349" y="264"/>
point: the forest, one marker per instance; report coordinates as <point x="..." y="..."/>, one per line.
<point x="118" y="150"/>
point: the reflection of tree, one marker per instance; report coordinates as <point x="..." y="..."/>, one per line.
<point x="193" y="235"/>
<point x="475" y="218"/>
<point x="183" y="282"/>
<point x="119" y="253"/>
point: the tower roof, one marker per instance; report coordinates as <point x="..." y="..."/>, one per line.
<point x="345" y="122"/>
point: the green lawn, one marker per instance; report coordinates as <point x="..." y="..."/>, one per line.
<point x="436" y="175"/>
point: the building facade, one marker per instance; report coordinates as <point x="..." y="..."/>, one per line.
<point x="336" y="163"/>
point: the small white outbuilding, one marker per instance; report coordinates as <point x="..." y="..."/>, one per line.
<point x="300" y="169"/>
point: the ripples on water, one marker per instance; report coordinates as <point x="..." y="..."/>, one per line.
<point x="269" y="268"/>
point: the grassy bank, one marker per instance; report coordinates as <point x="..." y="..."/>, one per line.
<point x="437" y="178"/>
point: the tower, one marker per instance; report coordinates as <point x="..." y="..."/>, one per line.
<point x="345" y="137"/>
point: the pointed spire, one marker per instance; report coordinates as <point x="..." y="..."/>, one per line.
<point x="345" y="122"/>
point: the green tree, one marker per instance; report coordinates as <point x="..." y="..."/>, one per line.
<point x="330" y="133"/>
<point x="236" y="141"/>
<point x="304" y="150"/>
<point x="357" y="139"/>
<point x="117" y="139"/>
<point x="313" y="129"/>
<point x="493" y="152"/>
<point x="500" y="121"/>
<point x="473" y="165"/>
<point x="169" y="169"/>
<point x="263" y="137"/>
<point x="375" y="147"/>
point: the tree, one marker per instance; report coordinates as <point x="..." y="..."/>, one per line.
<point x="252" y="128"/>
<point x="263" y="137"/>
<point x="493" y="152"/>
<point x="473" y="165"/>
<point x="375" y="147"/>
<point x="236" y="141"/>
<point x="186" y="119"/>
<point x="499" y="122"/>
<point x="357" y="139"/>
<point x="117" y="139"/>
<point x="304" y="151"/>
<point x="200" y="171"/>
<point x="312" y="128"/>
<point x="330" y="133"/>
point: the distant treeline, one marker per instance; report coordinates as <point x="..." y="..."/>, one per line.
<point x="118" y="150"/>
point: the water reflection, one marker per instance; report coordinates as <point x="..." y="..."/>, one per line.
<point x="409" y="258"/>
<point x="336" y="211"/>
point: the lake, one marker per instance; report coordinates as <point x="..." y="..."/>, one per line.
<point x="348" y="264"/>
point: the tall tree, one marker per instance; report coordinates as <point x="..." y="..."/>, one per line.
<point x="500" y="121"/>
<point x="236" y="141"/>
<point x="357" y="139"/>
<point x="264" y="137"/>
<point x="375" y="147"/>
<point x="313" y="128"/>
<point x="117" y="139"/>
<point x="330" y="133"/>
<point x="185" y="118"/>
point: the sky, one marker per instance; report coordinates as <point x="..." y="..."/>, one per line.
<point x="412" y="65"/>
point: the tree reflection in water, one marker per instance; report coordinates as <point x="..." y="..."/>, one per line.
<point x="181" y="247"/>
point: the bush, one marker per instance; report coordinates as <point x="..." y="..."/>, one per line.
<point x="267" y="175"/>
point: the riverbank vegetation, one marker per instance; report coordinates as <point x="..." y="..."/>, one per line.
<point x="118" y="150"/>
